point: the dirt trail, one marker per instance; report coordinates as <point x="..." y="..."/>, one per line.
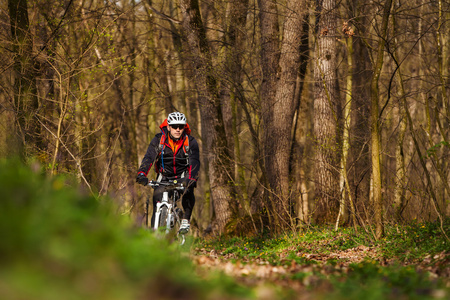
<point x="294" y="276"/>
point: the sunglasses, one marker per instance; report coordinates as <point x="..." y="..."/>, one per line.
<point x="177" y="126"/>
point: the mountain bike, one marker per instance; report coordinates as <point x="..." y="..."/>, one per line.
<point x="168" y="216"/>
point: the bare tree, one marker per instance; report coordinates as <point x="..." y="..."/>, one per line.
<point x="281" y="63"/>
<point x="25" y="94"/>
<point x="213" y="131"/>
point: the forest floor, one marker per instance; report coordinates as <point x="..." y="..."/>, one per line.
<point x="308" y="273"/>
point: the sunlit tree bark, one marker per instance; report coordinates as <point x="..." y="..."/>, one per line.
<point x="375" y="124"/>
<point x="344" y="186"/>
<point x="400" y="172"/>
<point x="327" y="115"/>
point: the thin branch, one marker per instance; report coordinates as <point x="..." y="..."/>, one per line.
<point x="164" y="16"/>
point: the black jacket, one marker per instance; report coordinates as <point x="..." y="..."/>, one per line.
<point x="171" y="165"/>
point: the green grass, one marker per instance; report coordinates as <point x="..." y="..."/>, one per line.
<point x="404" y="243"/>
<point x="415" y="240"/>
<point x="369" y="280"/>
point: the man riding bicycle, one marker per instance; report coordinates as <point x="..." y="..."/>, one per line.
<point x="176" y="156"/>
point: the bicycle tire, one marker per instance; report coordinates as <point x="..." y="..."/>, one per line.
<point x="180" y="238"/>
<point x="177" y="214"/>
<point x="146" y="213"/>
<point x="163" y="215"/>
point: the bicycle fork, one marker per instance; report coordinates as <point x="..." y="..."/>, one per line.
<point x="159" y="206"/>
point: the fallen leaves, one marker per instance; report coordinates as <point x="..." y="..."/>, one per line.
<point x="296" y="276"/>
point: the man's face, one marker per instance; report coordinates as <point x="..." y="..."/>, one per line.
<point x="176" y="130"/>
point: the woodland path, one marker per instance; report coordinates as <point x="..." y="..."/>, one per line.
<point x="303" y="278"/>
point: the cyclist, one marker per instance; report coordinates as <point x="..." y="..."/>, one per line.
<point x="175" y="155"/>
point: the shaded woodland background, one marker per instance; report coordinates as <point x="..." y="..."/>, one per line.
<point x="324" y="112"/>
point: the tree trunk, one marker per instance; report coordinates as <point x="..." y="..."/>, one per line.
<point x="283" y="112"/>
<point x="25" y="93"/>
<point x="400" y="172"/>
<point x="232" y="91"/>
<point x="375" y="125"/>
<point x="280" y="71"/>
<point x="327" y="115"/>
<point x="344" y="186"/>
<point x="302" y="123"/>
<point x="213" y="131"/>
<point x="359" y="153"/>
<point x="442" y="37"/>
<point x="270" y="53"/>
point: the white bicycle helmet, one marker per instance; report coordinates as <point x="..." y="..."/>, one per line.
<point x="176" y="118"/>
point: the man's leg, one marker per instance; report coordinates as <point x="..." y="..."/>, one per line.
<point x="188" y="203"/>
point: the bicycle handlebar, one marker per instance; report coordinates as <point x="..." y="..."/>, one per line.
<point x="171" y="184"/>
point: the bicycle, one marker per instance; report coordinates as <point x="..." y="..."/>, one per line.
<point x="167" y="214"/>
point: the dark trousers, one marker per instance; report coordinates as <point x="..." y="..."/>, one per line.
<point x="187" y="201"/>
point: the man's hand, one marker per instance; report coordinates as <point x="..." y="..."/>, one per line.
<point x="189" y="183"/>
<point x="142" y="179"/>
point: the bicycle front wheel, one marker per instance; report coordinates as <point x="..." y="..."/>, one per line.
<point x="164" y="214"/>
<point x="146" y="213"/>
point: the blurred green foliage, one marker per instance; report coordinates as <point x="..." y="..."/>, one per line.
<point x="58" y="242"/>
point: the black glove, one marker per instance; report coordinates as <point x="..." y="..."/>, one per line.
<point x="189" y="183"/>
<point x="142" y="179"/>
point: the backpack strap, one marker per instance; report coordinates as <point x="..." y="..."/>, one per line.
<point x="186" y="148"/>
<point x="160" y="150"/>
<point x="161" y="144"/>
<point x="186" y="145"/>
